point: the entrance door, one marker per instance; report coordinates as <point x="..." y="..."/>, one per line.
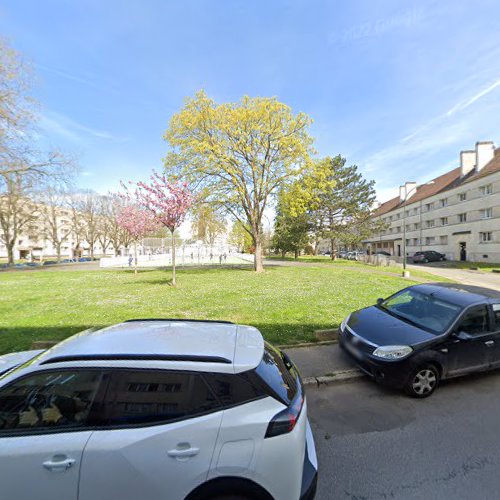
<point x="399" y="250"/>
<point x="463" y="251"/>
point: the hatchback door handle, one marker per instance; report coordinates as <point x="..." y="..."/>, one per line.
<point x="183" y="453"/>
<point x="59" y="465"/>
<point x="489" y="343"/>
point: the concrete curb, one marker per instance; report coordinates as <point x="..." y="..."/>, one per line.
<point x="307" y="344"/>
<point x="333" y="378"/>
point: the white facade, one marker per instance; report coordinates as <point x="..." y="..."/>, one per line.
<point x="460" y="217"/>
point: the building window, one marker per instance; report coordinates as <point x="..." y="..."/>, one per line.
<point x="443" y="202"/>
<point x="398" y="229"/>
<point x="429" y="223"/>
<point x="462" y="217"/>
<point x="398" y="216"/>
<point x="443" y="240"/>
<point x="486" y="213"/>
<point x="444" y="221"/>
<point x="408" y="227"/>
<point x="429" y="207"/>
<point x="429" y="240"/>
<point x="488" y="189"/>
<point x="462" y="196"/>
<point x="407" y="213"/>
<point x="416" y="226"/>
<point x="415" y="211"/>
<point x="485" y="237"/>
<point x="407" y="242"/>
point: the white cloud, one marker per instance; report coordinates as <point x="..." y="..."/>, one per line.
<point x="63" y="126"/>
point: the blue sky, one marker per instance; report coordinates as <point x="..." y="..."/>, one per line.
<point x="397" y="87"/>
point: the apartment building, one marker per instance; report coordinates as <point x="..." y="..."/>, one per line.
<point x="457" y="213"/>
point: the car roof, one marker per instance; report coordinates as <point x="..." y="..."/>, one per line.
<point x="459" y="294"/>
<point x="172" y="343"/>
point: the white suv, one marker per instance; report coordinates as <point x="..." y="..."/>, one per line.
<point x="155" y="410"/>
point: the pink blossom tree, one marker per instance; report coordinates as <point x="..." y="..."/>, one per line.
<point x="167" y="201"/>
<point x="138" y="223"/>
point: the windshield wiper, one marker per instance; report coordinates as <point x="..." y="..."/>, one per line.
<point x="404" y="318"/>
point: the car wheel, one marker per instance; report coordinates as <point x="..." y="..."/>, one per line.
<point x="425" y="261"/>
<point x="423" y="381"/>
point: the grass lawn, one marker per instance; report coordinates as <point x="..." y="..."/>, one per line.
<point x="286" y="303"/>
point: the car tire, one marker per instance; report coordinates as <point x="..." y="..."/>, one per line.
<point x="425" y="261"/>
<point x="423" y="381"/>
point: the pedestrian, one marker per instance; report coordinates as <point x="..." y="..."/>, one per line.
<point x="130" y="260"/>
<point x="220" y="259"/>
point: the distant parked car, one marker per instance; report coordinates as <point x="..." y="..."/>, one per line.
<point x="32" y="264"/>
<point x="49" y="262"/>
<point x="424" y="334"/>
<point x="428" y="256"/>
<point x="382" y="252"/>
<point x="143" y="409"/>
<point x="66" y="261"/>
<point x="84" y="259"/>
<point x="354" y="255"/>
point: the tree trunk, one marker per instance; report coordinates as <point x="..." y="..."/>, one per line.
<point x="333" y="250"/>
<point x="58" y="252"/>
<point x="283" y="255"/>
<point x="257" y="257"/>
<point x="10" y="253"/>
<point x="135" y="258"/>
<point x="173" y="259"/>
<point x="296" y="254"/>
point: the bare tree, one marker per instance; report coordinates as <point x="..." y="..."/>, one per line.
<point x="17" y="211"/>
<point x="55" y="216"/>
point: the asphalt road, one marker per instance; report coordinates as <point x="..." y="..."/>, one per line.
<point x="374" y="443"/>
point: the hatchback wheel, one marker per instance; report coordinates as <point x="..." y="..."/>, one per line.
<point x="422" y="382"/>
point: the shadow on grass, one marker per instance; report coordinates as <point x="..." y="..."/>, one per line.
<point x="21" y="338"/>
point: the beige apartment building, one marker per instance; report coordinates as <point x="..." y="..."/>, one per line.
<point x="457" y="213"/>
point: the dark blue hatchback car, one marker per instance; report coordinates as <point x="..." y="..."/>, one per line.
<point x="425" y="333"/>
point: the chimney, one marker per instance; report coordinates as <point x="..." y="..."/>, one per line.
<point x="407" y="191"/>
<point x="485" y="151"/>
<point x="467" y="162"/>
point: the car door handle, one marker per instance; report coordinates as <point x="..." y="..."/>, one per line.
<point x="180" y="453"/>
<point x="59" y="465"/>
<point x="489" y="343"/>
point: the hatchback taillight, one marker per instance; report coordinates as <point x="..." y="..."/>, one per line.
<point x="284" y="421"/>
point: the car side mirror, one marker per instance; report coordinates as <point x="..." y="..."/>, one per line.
<point x="461" y="335"/>
<point x="379" y="302"/>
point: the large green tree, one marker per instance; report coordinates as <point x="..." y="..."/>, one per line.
<point x="337" y="200"/>
<point x="238" y="155"/>
<point x="291" y="232"/>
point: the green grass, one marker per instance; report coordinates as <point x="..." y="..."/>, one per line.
<point x="483" y="266"/>
<point x="327" y="261"/>
<point x="287" y="303"/>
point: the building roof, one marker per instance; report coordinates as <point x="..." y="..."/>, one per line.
<point x="189" y="345"/>
<point x="440" y="184"/>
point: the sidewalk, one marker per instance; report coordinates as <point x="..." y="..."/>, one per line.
<point x="323" y="364"/>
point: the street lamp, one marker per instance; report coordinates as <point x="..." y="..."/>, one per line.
<point x="406" y="274"/>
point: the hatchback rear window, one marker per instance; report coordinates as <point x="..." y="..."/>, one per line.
<point x="282" y="380"/>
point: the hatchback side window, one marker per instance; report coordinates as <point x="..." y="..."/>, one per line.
<point x="475" y="321"/>
<point x="496" y="316"/>
<point x="147" y="397"/>
<point x="49" y="400"/>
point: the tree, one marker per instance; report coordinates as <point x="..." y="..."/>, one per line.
<point x="291" y="233"/>
<point x="337" y="199"/>
<point x="138" y="223"/>
<point x="237" y="155"/>
<point x="17" y="211"/>
<point x="85" y="207"/>
<point x="239" y="236"/>
<point x="167" y="201"/>
<point x="52" y="209"/>
<point x="207" y="224"/>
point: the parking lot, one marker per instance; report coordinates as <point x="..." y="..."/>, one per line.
<point x="374" y="443"/>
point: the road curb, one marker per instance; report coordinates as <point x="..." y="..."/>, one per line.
<point x="333" y="378"/>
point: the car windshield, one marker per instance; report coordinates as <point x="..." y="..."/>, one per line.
<point x="422" y="310"/>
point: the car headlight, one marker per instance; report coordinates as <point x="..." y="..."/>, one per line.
<point x="392" y="351"/>
<point x="344" y="323"/>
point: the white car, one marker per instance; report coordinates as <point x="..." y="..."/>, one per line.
<point x="155" y="410"/>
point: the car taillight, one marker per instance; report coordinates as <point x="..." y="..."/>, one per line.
<point x="284" y="421"/>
